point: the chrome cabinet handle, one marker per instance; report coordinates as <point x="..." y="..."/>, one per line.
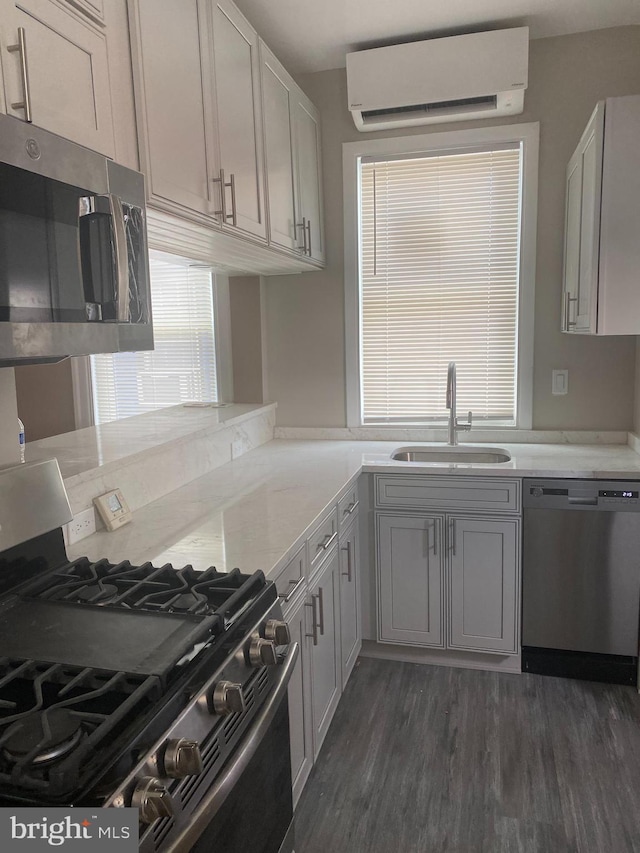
<point x="321" y="609"/>
<point x="287" y="596"/>
<point x="303" y="225"/>
<point x="223" y="199"/>
<point x="121" y="259"/>
<point x="351" y="508"/>
<point x="452" y="533"/>
<point x="436" y="528"/>
<point x="347" y="548"/>
<point x="21" y="49"/>
<point x="329" y="539"/>
<point x="314" y="620"/>
<point x="308" y="229"/>
<point x="234" y="211"/>
<point x="231" y="184"/>
<point x="567" y="310"/>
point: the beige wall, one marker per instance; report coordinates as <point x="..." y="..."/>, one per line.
<point x="246" y="338"/>
<point x="9" y="448"/>
<point x="45" y="399"/>
<point x="305" y="314"/>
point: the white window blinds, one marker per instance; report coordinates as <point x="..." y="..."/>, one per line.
<point x="182" y="367"/>
<point x="439" y="259"/>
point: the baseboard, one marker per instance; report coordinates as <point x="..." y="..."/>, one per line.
<point x="442" y="657"/>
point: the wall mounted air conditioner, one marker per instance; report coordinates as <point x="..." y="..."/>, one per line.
<point x="480" y="75"/>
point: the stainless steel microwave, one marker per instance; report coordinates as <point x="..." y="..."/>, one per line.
<point x="74" y="269"/>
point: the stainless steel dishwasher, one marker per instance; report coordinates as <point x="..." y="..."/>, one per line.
<point x="581" y="579"/>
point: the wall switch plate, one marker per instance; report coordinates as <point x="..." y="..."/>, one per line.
<point x="83" y="525"/>
<point x="559" y="382"/>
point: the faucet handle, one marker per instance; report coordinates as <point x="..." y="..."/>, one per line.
<point x="466" y="427"/>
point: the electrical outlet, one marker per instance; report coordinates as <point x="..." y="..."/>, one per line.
<point x="83" y="525"/>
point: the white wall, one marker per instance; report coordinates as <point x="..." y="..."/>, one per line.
<point x="305" y="314"/>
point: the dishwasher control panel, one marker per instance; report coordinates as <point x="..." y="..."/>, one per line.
<point x="618" y="495"/>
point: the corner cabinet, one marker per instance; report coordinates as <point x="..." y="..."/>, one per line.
<point x="602" y="222"/>
<point x="55" y="70"/>
<point x="448" y="562"/>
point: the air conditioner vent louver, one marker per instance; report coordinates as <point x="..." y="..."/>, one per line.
<point x="487" y="101"/>
<point x="443" y="79"/>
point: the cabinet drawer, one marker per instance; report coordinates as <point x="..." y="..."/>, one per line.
<point x="487" y="495"/>
<point x="291" y="579"/>
<point x="348" y="507"/>
<point x="322" y="539"/>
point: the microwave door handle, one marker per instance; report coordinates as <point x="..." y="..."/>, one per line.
<point x="122" y="263"/>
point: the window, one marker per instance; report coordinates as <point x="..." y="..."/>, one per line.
<point x="435" y="273"/>
<point x="182" y="367"/>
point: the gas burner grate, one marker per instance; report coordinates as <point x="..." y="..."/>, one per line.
<point x="147" y="587"/>
<point x="54" y="718"/>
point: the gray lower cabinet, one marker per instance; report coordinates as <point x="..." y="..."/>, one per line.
<point x="483" y="581"/>
<point x="410" y="579"/>
<point x="300" y="722"/>
<point x="449" y="581"/>
<point x="350" y="621"/>
<point x="323" y="633"/>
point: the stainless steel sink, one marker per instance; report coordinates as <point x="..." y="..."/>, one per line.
<point x="482" y="455"/>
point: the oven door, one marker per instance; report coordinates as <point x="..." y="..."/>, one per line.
<point x="249" y="808"/>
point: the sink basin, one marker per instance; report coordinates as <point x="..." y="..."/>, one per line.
<point x="483" y="455"/>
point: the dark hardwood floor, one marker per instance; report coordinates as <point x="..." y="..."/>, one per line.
<point x="423" y="759"/>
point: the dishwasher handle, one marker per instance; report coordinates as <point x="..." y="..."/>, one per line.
<point x="583" y="501"/>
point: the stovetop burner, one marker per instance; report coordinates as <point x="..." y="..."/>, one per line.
<point x="48" y="735"/>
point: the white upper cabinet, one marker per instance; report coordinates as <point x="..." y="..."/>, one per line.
<point x="278" y="97"/>
<point x="172" y="78"/>
<point x="55" y="71"/>
<point x="308" y="153"/>
<point x="238" y="119"/>
<point x="226" y="137"/>
<point x="602" y="224"/>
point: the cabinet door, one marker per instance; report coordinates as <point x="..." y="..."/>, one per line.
<point x="582" y="229"/>
<point x="410" y="579"/>
<point x="300" y="724"/>
<point x="323" y="619"/>
<point x="67" y="78"/>
<point x="278" y="92"/>
<point x="483" y="584"/>
<point x="308" y="156"/>
<point x="350" y="628"/>
<point x="172" y="75"/>
<point x="239" y="118"/>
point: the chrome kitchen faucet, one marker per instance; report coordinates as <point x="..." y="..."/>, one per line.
<point x="454" y="426"/>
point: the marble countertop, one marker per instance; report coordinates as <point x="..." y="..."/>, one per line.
<point x="82" y="452"/>
<point x="254" y="512"/>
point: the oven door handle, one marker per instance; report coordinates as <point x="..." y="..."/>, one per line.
<point x="223" y="786"/>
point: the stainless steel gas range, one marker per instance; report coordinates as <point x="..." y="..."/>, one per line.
<point x="147" y="686"/>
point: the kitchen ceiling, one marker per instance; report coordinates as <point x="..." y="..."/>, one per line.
<point x="315" y="35"/>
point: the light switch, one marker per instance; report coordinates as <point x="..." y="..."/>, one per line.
<point x="559" y="381"/>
